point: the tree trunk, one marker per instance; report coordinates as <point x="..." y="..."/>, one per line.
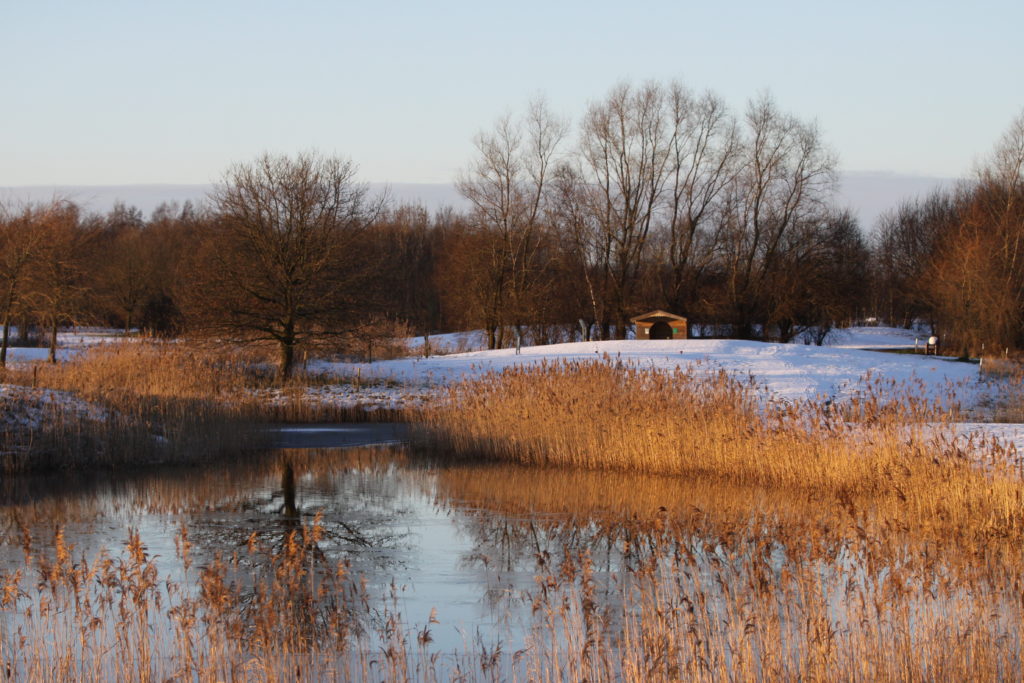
<point x="4" y="343"/>
<point x="53" y="342"/>
<point x="8" y="306"/>
<point x="24" y="331"/>
<point x="621" y="327"/>
<point x="287" y="359"/>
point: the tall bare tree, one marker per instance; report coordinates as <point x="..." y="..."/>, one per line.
<point x="508" y="184"/>
<point x="20" y="241"/>
<point x="284" y="263"/>
<point x="705" y="157"/>
<point x="626" y="157"/>
<point x="787" y="180"/>
<point x="907" y="240"/>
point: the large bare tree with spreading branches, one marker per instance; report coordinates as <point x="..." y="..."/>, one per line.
<point x="625" y="157"/>
<point x="284" y="262"/>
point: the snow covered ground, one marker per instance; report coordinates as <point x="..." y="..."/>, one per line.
<point x="848" y="338"/>
<point x="451" y="342"/>
<point x="877" y="338"/>
<point x="788" y="371"/>
<point x="25" y="408"/>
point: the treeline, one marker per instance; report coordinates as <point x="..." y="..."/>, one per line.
<point x="956" y="257"/>
<point x="662" y="198"/>
<point x="59" y="266"/>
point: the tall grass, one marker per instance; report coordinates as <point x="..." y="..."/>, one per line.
<point x="897" y="454"/>
<point x="119" y="406"/>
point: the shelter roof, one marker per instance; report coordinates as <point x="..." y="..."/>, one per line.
<point x="656" y="316"/>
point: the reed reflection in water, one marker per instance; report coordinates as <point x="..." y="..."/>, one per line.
<point x="364" y="563"/>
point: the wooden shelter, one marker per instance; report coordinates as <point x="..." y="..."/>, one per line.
<point x="659" y="325"/>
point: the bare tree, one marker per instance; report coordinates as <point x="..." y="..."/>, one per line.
<point x="507" y="184"/>
<point x="786" y="180"/>
<point x="472" y="289"/>
<point x="173" y="238"/>
<point x="59" y="289"/>
<point x="19" y="246"/>
<point x="407" y="239"/>
<point x="626" y="158"/>
<point x="705" y="158"/>
<point x="907" y="240"/>
<point x="975" y="269"/>
<point x="1005" y="167"/>
<point x="126" y="267"/>
<point x="284" y="262"/>
<point x="821" y="279"/>
<point x="1001" y="188"/>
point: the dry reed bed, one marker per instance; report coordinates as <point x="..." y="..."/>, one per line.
<point x="889" y="455"/>
<point x="154" y="403"/>
<point x="859" y="542"/>
<point x="233" y="378"/>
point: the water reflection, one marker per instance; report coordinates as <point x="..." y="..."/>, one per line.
<point x="346" y="538"/>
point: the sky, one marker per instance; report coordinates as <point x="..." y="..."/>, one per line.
<point x="117" y="93"/>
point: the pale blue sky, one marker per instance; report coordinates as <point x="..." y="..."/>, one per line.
<point x="104" y="92"/>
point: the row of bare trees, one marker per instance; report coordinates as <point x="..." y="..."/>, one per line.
<point x="60" y="267"/>
<point x="279" y="254"/>
<point x="43" y="269"/>
<point x="665" y="199"/>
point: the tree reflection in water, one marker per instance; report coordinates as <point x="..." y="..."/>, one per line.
<point x="285" y="566"/>
<point x="343" y="491"/>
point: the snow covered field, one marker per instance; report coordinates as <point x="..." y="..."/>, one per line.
<point x="876" y="338"/>
<point x="851" y="338"/>
<point x="788" y="371"/>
